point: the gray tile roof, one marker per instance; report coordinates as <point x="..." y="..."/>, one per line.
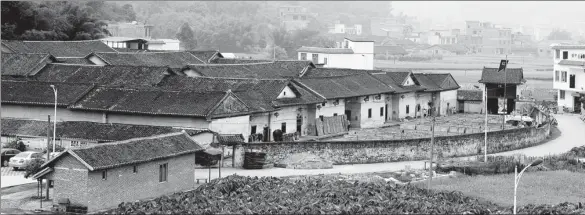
<point x="134" y="151"/>
<point x="510" y="76"/>
<point x="206" y="56"/>
<point x="102" y="132"/>
<point x="347" y="86"/>
<point x="170" y="59"/>
<point x="40" y="93"/>
<point x="59" y="48"/>
<point x="274" y="69"/>
<point x="24" y="64"/>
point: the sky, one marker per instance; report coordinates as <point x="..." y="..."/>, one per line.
<point x="561" y="14"/>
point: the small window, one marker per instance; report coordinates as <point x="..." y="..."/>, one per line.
<point x="370" y="113"/>
<point x="303" y="56"/>
<point x="557" y="54"/>
<point x="163" y="172"/>
<point x="381" y="111"/>
<point x="253" y="130"/>
<point x="335" y="114"/>
<point x="283" y="127"/>
<point x="556" y="75"/>
<point x="321" y="117"/>
<point x="105" y="175"/>
<point x="562" y="94"/>
<point x="325" y="61"/>
<point x="134" y="169"/>
<point x="323" y="104"/>
<point x="74" y="143"/>
<point x="565" y="55"/>
<point x="407" y="109"/>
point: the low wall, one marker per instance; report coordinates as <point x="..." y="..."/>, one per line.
<point x="379" y="151"/>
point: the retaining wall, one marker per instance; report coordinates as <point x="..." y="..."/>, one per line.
<point x="379" y="151"/>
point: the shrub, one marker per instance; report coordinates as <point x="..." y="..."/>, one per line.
<point x="58" y="148"/>
<point x="33" y="167"/>
<point x="16" y="144"/>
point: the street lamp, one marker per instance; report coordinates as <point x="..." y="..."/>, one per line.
<point x="517" y="177"/>
<point x="55" y="118"/>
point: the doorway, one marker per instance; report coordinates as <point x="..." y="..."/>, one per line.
<point x="386" y="113"/>
<point x="577" y="104"/>
<point x="299" y="123"/>
<point x="572" y="81"/>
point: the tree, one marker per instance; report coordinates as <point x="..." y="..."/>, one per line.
<point x="559" y="35"/>
<point x="16" y="144"/>
<point x="187" y="37"/>
<point x="33" y="167"/>
<point x="407" y="30"/>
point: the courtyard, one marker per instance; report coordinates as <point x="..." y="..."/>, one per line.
<point x="421" y="128"/>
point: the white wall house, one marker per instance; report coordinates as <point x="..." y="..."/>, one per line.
<point x="142" y="44"/>
<point x="350" y="54"/>
<point x="569" y="75"/>
<point x="343" y="29"/>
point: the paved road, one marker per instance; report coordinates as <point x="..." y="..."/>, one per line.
<point x="572" y="135"/>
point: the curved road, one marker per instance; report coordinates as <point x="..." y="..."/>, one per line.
<point x="572" y="135"/>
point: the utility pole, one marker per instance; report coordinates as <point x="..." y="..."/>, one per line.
<point x="505" y="95"/>
<point x="432" y="142"/>
<point x="48" y="146"/>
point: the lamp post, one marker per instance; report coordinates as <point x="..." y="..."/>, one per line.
<point x="432" y="107"/>
<point x="55" y="118"/>
<point x="517" y="177"/>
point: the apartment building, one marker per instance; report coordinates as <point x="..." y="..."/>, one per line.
<point x="569" y="76"/>
<point x="350" y="54"/>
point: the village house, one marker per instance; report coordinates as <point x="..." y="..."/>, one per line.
<point x="413" y="92"/>
<point x="354" y="93"/>
<point x="445" y="50"/>
<point x="225" y="68"/>
<point x="294" y="17"/>
<point x="386" y="52"/>
<point x="349" y="54"/>
<point x="64" y="51"/>
<point x="105" y="175"/>
<point x="74" y="134"/>
<point x="502" y="88"/>
<point x="137" y="44"/>
<point x="470" y="101"/>
<point x="569" y="76"/>
<point x="339" y="28"/>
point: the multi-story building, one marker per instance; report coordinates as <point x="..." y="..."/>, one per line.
<point x="132" y="29"/>
<point x="137" y="36"/>
<point x="569" y="76"/>
<point x="343" y="29"/>
<point x="487" y="38"/>
<point x="443" y="37"/>
<point x="294" y="17"/>
<point x="350" y="54"/>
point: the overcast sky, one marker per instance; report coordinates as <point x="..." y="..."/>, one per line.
<point x="556" y="13"/>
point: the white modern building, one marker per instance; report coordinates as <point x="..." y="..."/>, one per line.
<point x="349" y="54"/>
<point x="569" y="76"/>
<point x="343" y="29"/>
<point x="142" y="44"/>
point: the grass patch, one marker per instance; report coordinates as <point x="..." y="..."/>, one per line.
<point x="551" y="187"/>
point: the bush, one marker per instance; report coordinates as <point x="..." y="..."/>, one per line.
<point x="58" y="148"/>
<point x="16" y="144"/>
<point x="33" y="167"/>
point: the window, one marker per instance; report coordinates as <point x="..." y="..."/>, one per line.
<point x="303" y="56"/>
<point x="557" y="54"/>
<point x="74" y="143"/>
<point x="321" y="117"/>
<point x="382" y="111"/>
<point x="564" y="76"/>
<point x="315" y="58"/>
<point x="325" y="61"/>
<point x="134" y="169"/>
<point x="295" y="17"/>
<point x="253" y="130"/>
<point x="556" y="75"/>
<point x="303" y="18"/>
<point x="323" y="104"/>
<point x="562" y="94"/>
<point x="105" y="175"/>
<point x="370" y="113"/>
<point x="163" y="173"/>
<point x="335" y="114"/>
<point x="565" y="55"/>
<point x="283" y="127"/>
<point x="407" y="109"/>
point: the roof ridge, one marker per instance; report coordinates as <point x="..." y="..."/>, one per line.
<point x="132" y="140"/>
<point x="65" y="41"/>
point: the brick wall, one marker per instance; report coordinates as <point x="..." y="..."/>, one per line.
<point x="70" y="181"/>
<point x="378" y="151"/>
<point x="122" y="185"/>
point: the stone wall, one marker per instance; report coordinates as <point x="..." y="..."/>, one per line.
<point x="378" y="151"/>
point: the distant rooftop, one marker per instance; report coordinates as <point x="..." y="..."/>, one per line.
<point x="325" y="50"/>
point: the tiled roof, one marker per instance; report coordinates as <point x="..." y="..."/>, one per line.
<point x="566" y="46"/>
<point x="24" y="64"/>
<point x="331" y="72"/>
<point x="87" y="130"/>
<point x="510" y="76"/>
<point x="436" y="81"/>
<point x="395" y="79"/>
<point x="170" y="59"/>
<point x="238" y="61"/>
<point x="572" y="62"/>
<point x="391" y="50"/>
<point x="134" y="151"/>
<point x="75" y="60"/>
<point x="275" y="69"/>
<point x="469" y="95"/>
<point x="229" y="139"/>
<point x="122" y="76"/>
<point x="258" y="94"/>
<point x="134" y="50"/>
<point x="156" y="102"/>
<point x="345" y="86"/>
<point x="59" y="48"/>
<point x="40" y="93"/>
<point x="359" y="39"/>
<point x="206" y="56"/>
<point x="325" y="50"/>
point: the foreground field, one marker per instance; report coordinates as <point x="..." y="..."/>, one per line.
<point x="550" y="187"/>
<point x="319" y="195"/>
